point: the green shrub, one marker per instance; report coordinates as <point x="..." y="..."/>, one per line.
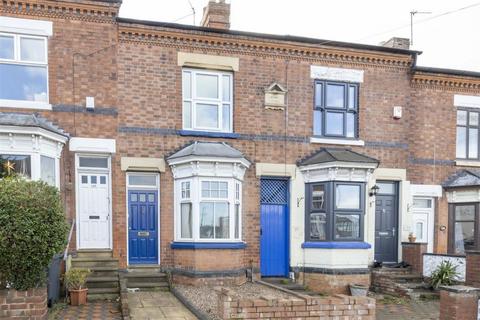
<point x="76" y="278"/>
<point x="445" y="274"/>
<point x="32" y="230"/>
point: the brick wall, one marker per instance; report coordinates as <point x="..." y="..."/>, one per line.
<point x="30" y="304"/>
<point x="333" y="283"/>
<point x="472" y="275"/>
<point x="305" y="307"/>
<point x="458" y="303"/>
<point x="412" y="253"/>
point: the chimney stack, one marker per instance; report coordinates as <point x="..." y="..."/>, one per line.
<point x="216" y="15"/>
<point x="399" y="43"/>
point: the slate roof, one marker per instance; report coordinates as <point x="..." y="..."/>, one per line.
<point x="463" y="178"/>
<point x="29" y="120"/>
<point x="325" y="155"/>
<point x="207" y="149"/>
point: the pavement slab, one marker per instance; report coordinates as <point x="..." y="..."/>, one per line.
<point x="151" y="305"/>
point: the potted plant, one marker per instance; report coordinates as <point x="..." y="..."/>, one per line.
<point x="75" y="280"/>
<point x="358" y="290"/>
<point x="412" y="238"/>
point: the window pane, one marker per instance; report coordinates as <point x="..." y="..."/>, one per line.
<point x="464" y="236"/>
<point x="334" y="123"/>
<point x="226" y="88"/>
<point x="347" y="196"/>
<point x="347" y="226"/>
<point x="318" y="94"/>
<point x="207" y="115"/>
<point x="461" y="142"/>
<point x="352" y="97"/>
<point x="461" y="117"/>
<point x="226" y="117"/>
<point x="186" y="220"/>
<point x="32" y="49"/>
<point x="47" y="167"/>
<point x="318" y="226"/>
<point x="422" y="203"/>
<point x="185" y="190"/>
<point x="473" y="119"/>
<point x="205" y="189"/>
<point x="386" y="188"/>
<point x="103" y="180"/>
<point x="317" y="122"/>
<point x="335" y="96"/>
<point x="318" y="197"/>
<point x="419" y="230"/>
<point x="206" y="220"/>
<point x="237" y="221"/>
<point x="187" y="85"/>
<point x="465" y="213"/>
<point x="7" y="47"/>
<point x="15" y="164"/>
<point x="350" y="125"/>
<point x="187" y="115"/>
<point x="85" y="180"/>
<point x="207" y="86"/>
<point x="142" y="180"/>
<point x="472" y="143"/>
<point x="93" y="179"/>
<point x="222" y="221"/>
<point x="237" y="191"/>
<point x="23" y="83"/>
<point x="94" y="162"/>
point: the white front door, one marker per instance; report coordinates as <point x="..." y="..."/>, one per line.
<point x="93" y="210"/>
<point x="423" y="220"/>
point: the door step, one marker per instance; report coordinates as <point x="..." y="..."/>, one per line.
<point x="94" y="253"/>
<point x="142" y="268"/>
<point x="89" y="262"/>
<point x="147" y="280"/>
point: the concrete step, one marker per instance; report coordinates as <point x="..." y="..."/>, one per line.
<point x="93" y="291"/>
<point x="144" y="268"/>
<point x="103" y="272"/>
<point x="415" y="285"/>
<point x="424" y="294"/>
<point x="102" y="296"/>
<point x="146" y="277"/>
<point x="407" y="278"/>
<point x="94" y="262"/>
<point x="94" y="253"/>
<point x="102" y="282"/>
<point x="163" y="286"/>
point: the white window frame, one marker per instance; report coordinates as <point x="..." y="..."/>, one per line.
<point x="196" y="198"/>
<point x="219" y="102"/>
<point x="41" y="105"/>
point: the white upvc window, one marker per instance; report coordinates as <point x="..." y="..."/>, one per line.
<point x="24" y="71"/>
<point x="208" y="209"/>
<point x="207" y="100"/>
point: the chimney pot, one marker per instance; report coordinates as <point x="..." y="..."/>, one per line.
<point x="216" y="15"/>
<point x="396" y="42"/>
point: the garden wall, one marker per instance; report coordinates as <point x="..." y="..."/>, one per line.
<point x="299" y="307"/>
<point x="432" y="261"/>
<point x="30" y="304"/>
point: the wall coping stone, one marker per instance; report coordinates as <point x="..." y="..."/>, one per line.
<point x="460" y="289"/>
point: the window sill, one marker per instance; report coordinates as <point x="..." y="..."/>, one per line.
<point x="208" y="245"/>
<point x="347" y="142"/>
<point x="25" y="104"/>
<point x="209" y="134"/>
<point x="467" y="163"/>
<point x="336" y="245"/>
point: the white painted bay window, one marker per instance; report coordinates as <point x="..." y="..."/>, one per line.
<point x="207" y="100"/>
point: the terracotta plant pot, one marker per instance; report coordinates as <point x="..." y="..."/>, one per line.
<point x="78" y="297"/>
<point x="412" y="238"/>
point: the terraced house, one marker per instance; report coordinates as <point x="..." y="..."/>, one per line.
<point x="214" y="153"/>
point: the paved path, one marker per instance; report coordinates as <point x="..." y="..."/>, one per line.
<point x="151" y="305"/>
<point x="427" y="310"/>
<point x="98" y="310"/>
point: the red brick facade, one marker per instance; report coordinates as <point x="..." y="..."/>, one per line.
<point x="131" y="69"/>
<point x="30" y="304"/>
<point x="412" y="253"/>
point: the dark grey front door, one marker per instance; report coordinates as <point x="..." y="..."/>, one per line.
<point x="386" y="223"/>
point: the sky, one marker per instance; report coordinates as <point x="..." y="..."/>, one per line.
<point x="447" y="36"/>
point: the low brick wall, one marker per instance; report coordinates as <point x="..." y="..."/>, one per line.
<point x="412" y="253"/>
<point x="30" y="304"/>
<point x="458" y="303"/>
<point x="472" y="275"/>
<point x="198" y="280"/>
<point x="333" y="283"/>
<point x="298" y="307"/>
<point x="383" y="281"/>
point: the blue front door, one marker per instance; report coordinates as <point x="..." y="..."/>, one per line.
<point x="274" y="235"/>
<point x="142" y="227"/>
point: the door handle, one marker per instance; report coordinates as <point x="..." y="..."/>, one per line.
<point x="393" y="232"/>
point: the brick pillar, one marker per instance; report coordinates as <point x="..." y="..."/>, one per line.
<point x="472" y="277"/>
<point x="412" y="253"/>
<point x="458" y="303"/>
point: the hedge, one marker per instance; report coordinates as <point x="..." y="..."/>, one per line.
<point x="32" y="230"/>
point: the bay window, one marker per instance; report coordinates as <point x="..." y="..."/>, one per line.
<point x="207" y="100"/>
<point x="208" y="209"/>
<point x="335" y="211"/>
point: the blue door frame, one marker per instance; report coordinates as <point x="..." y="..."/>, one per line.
<point x="274" y="227"/>
<point x="143" y="227"/>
